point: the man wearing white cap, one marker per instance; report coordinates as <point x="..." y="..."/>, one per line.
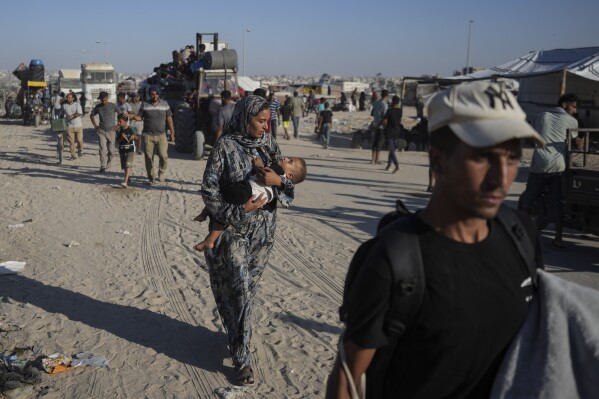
<point x="477" y="281"/>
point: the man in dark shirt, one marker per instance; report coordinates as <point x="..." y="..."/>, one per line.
<point x="477" y="286"/>
<point x="224" y="113"/>
<point x="326" y="118"/>
<point x="156" y="114"/>
<point x="393" y="131"/>
<point x="106" y="135"/>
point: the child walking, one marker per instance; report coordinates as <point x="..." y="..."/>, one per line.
<point x="286" y="114"/>
<point x="324" y="127"/>
<point x="126" y="137"/>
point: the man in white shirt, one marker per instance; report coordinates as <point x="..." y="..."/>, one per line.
<point x="72" y="113"/>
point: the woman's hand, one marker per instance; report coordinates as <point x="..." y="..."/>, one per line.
<point x="268" y="177"/>
<point x="255" y="202"/>
<point x="258" y="163"/>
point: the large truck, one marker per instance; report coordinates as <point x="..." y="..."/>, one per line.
<point x="219" y="72"/>
<point x="96" y="78"/>
<point x="69" y="79"/>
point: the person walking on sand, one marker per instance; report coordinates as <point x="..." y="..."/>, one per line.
<point x="275" y="113"/>
<point x="156" y="114"/>
<point x="126" y="136"/>
<point x="297" y="110"/>
<point x="286" y="115"/>
<point x="83" y="102"/>
<point x="239" y="193"/>
<point x="57" y="101"/>
<point x="242" y="252"/>
<point x="224" y="113"/>
<point x="122" y="106"/>
<point x="362" y="101"/>
<point x="326" y="119"/>
<point x="137" y="125"/>
<point x="549" y="163"/>
<point x="478" y="285"/>
<point x="379" y="109"/>
<point x="107" y="113"/>
<point x="393" y="130"/>
<point x="72" y="113"/>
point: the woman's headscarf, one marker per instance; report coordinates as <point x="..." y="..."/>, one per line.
<point x="245" y="109"/>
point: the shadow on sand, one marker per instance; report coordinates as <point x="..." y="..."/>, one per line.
<point x="176" y="339"/>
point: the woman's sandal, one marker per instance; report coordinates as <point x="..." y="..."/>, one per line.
<point x="244" y="376"/>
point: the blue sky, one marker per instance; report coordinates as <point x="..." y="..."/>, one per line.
<point x="393" y="37"/>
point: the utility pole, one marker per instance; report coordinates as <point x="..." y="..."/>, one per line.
<point x="244" y="32"/>
<point x="468" y="51"/>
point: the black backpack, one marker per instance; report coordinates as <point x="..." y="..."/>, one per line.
<point x="397" y="237"/>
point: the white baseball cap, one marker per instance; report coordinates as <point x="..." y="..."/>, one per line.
<point x="481" y="114"/>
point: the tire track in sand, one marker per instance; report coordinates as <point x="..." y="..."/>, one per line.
<point x="328" y="286"/>
<point x="161" y="279"/>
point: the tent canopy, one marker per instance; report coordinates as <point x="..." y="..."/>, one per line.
<point x="247" y="83"/>
<point x="583" y="62"/>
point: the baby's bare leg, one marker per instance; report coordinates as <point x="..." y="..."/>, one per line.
<point x="202" y="216"/>
<point x="210" y="239"/>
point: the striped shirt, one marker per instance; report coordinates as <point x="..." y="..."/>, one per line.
<point x="274" y="106"/>
<point x="154" y="117"/>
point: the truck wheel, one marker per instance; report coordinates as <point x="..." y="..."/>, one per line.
<point x="199" y="145"/>
<point x="185" y="126"/>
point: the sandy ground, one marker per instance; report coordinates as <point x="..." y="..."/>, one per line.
<point x="131" y="288"/>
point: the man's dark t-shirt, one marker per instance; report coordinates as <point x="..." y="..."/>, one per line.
<point x="124" y="145"/>
<point x="476" y="299"/>
<point x="286" y="112"/>
<point x="393" y="128"/>
<point x="107" y="113"/>
<point x="327" y="116"/>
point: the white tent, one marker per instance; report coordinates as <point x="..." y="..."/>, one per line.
<point x="545" y="75"/>
<point x="247" y="83"/>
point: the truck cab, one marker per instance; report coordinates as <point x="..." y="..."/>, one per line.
<point x="96" y="78"/>
<point x="69" y="79"/>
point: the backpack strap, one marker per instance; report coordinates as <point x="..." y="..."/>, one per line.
<point x="400" y="243"/>
<point x="510" y="221"/>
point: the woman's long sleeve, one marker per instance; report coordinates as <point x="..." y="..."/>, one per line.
<point x="223" y="212"/>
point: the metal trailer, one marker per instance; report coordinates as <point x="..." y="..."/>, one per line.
<point x="581" y="182"/>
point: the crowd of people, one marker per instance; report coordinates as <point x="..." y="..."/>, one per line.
<point x="472" y="304"/>
<point x="474" y="162"/>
